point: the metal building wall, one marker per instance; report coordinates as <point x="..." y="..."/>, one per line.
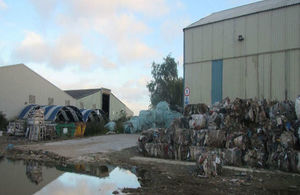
<point x="90" y="101"/>
<point x="115" y="108"/>
<point x="265" y="64"/>
<point x="17" y="82"/>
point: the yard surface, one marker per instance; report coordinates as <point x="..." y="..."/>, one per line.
<point x="75" y="148"/>
<point x="156" y="176"/>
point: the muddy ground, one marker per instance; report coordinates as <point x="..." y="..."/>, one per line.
<point x="157" y="178"/>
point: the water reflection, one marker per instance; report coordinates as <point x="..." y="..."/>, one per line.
<point x="73" y="183"/>
<point x="31" y="177"/>
<point x="34" y="172"/>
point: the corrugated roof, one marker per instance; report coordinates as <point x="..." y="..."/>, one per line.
<point x="243" y="10"/>
<point x="80" y="93"/>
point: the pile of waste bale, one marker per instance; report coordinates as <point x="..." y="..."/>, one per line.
<point x="243" y="132"/>
<point x="160" y="116"/>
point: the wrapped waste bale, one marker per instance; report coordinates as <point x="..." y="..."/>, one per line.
<point x="233" y="156"/>
<point x="161" y="117"/>
<point x="146" y="136"/>
<point x="198" y="137"/>
<point x="133" y="125"/>
<point x="215" y="138"/>
<point x="159" y="150"/>
<point x="285" y="160"/>
<point x="255" y="158"/>
<point x="209" y="164"/>
<point x="197" y="121"/>
<point x="241" y="142"/>
<point x="195" y="109"/>
<point x="297" y="107"/>
<point x="111" y="126"/>
<point x="287" y="140"/>
<point x="182" y="136"/>
<point x="195" y="151"/>
<point x="146" y="119"/>
<point x="182" y="141"/>
<point x="182" y="152"/>
<point x="215" y="121"/>
<point x="237" y="139"/>
<point x="170" y="117"/>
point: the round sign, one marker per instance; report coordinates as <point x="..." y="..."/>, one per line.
<point x="187" y="91"/>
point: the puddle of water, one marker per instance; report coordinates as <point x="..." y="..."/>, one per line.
<point x="18" y="177"/>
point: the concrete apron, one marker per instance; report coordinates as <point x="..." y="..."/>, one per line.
<point x="231" y="168"/>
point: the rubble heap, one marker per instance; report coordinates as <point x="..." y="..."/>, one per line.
<point x="244" y="132"/>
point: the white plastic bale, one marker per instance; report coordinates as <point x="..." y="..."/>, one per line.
<point x="297" y="107"/>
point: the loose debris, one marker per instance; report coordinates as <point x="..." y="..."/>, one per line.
<point x="243" y="132"/>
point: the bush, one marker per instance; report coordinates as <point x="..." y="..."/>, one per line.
<point x="119" y="126"/>
<point x="3" y="122"/>
<point x="95" y="128"/>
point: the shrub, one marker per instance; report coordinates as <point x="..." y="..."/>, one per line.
<point x="3" y="122"/>
<point x="119" y="126"/>
<point x="95" y="128"/>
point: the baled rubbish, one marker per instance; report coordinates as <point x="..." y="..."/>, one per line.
<point x="160" y="117"/>
<point x="209" y="164"/>
<point x="297" y="107"/>
<point x="111" y="126"/>
<point x="243" y="132"/>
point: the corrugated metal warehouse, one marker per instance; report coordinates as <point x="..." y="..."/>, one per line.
<point x="100" y="98"/>
<point x="21" y="87"/>
<point x="251" y="51"/>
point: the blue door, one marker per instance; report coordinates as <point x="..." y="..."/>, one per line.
<point x="216" y="81"/>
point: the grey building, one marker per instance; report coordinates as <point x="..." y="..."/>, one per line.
<point x="251" y="51"/>
<point x="100" y="98"/>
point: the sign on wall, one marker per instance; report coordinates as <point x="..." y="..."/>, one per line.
<point x="187" y="92"/>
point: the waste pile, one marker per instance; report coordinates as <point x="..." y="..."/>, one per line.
<point x="35" y="128"/>
<point x="16" y="128"/>
<point x="243" y="132"/>
<point x="159" y="117"/>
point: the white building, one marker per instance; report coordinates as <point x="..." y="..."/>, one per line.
<point x="20" y="86"/>
<point x="100" y="98"/>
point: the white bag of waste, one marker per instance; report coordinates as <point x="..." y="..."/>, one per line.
<point x="297" y="107"/>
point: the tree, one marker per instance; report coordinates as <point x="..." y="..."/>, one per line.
<point x="166" y="86"/>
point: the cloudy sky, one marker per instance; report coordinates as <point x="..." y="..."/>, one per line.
<point x="78" y="44"/>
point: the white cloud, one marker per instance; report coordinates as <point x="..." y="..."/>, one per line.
<point x="134" y="50"/>
<point x="45" y="7"/>
<point x="116" y="22"/>
<point x="66" y="50"/>
<point x="2" y="5"/>
<point x="172" y="28"/>
<point x="134" y="93"/>
<point x="95" y="8"/>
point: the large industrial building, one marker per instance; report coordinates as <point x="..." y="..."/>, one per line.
<point x="21" y="87"/>
<point x="100" y="98"/>
<point x="251" y="51"/>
